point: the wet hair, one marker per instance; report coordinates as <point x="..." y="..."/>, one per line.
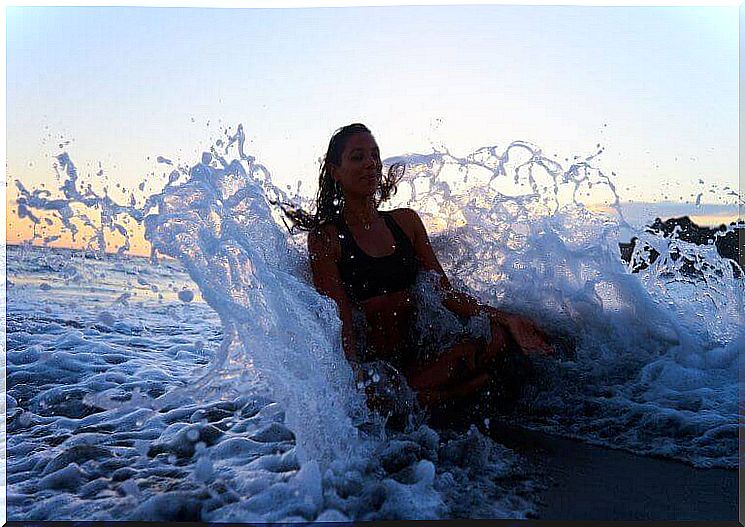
<point x="329" y="202"/>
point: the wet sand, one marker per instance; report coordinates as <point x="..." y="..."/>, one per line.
<point x="587" y="482"/>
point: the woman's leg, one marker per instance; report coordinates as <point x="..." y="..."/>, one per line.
<point x="461" y="370"/>
<point x="500" y="344"/>
<point x="527" y="337"/>
<point x="448" y="367"/>
<point x="435" y="396"/>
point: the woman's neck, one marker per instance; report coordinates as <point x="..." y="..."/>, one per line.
<point x="360" y="212"/>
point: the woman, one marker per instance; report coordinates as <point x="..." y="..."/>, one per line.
<point x="367" y="261"/>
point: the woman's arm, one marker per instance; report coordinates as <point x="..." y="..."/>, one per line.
<point x="456" y="301"/>
<point x="325" y="252"/>
<point x="529" y="336"/>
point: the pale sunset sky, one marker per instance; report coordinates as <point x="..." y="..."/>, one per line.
<point x="116" y="87"/>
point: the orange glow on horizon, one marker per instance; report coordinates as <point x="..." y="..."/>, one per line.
<point x="19" y="230"/>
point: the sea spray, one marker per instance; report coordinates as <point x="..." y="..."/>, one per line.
<point x="220" y="226"/>
<point x="529" y="244"/>
<point x="508" y="224"/>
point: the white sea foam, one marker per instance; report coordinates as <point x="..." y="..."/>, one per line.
<point x="236" y="404"/>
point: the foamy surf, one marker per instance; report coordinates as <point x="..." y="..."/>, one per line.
<point x="215" y="388"/>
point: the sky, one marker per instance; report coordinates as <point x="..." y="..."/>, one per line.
<point x="117" y="87"/>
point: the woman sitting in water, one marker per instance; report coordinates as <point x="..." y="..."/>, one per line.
<point x="367" y="261"/>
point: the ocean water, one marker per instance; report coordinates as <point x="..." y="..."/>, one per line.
<point x="208" y="382"/>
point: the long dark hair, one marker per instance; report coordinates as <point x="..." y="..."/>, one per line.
<point x="329" y="201"/>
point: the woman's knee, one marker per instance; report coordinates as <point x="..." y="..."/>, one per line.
<point x="451" y="366"/>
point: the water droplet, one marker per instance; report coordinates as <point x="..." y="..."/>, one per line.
<point x="25" y="419"/>
<point x="186" y="295"/>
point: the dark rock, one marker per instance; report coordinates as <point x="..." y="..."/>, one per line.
<point x="123" y="474"/>
<point x="182" y="440"/>
<point x="398" y="455"/>
<point x="731" y="245"/>
<point x="76" y="454"/>
<point x="273" y="433"/>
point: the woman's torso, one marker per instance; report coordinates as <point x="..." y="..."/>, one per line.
<point x="381" y="285"/>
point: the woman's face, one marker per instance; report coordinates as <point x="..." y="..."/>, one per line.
<point x="360" y="169"/>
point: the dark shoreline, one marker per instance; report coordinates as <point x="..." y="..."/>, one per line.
<point x="588" y="482"/>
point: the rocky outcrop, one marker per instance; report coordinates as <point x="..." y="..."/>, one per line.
<point x="730" y="245"/>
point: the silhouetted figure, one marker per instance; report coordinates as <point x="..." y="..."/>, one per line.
<point x="367" y="261"/>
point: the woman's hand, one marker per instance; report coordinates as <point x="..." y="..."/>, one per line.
<point x="527" y="335"/>
<point x="385" y="388"/>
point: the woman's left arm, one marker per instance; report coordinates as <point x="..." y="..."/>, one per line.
<point x="529" y="336"/>
<point x="456" y="301"/>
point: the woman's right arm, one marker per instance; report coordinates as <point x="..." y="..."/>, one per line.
<point x="325" y="253"/>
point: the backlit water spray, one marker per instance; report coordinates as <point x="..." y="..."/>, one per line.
<point x="655" y="369"/>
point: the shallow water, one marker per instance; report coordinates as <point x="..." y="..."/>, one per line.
<point x="213" y="386"/>
<point x="86" y="441"/>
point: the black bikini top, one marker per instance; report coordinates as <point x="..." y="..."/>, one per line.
<point x="366" y="276"/>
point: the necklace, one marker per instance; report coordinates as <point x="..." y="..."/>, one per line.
<point x="366" y="224"/>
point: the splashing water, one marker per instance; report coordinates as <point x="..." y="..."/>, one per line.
<point x="220" y="226"/>
<point x="656" y="365"/>
<point x="657" y="362"/>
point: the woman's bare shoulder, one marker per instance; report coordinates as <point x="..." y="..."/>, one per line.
<point x="324" y="240"/>
<point x="408" y="219"/>
<point x="405" y="214"/>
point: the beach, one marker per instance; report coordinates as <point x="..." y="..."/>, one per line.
<point x="213" y="387"/>
<point x="587" y="482"/>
